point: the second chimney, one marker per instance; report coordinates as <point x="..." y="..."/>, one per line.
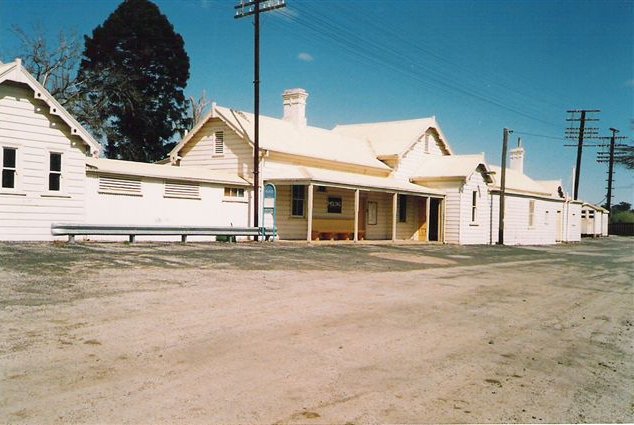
<point x="295" y="106"/>
<point x="517" y="157"/>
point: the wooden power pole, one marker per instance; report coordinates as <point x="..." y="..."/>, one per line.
<point x="580" y="133"/>
<point x="614" y="153"/>
<point x="505" y="145"/>
<point x="248" y="8"/>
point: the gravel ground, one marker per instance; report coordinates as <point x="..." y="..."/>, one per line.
<point x="320" y="333"/>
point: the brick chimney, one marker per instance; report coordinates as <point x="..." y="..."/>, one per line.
<point x="517" y="157"/>
<point x="295" y="106"/>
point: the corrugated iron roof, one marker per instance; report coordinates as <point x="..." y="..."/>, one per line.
<point x="393" y="137"/>
<point x="142" y="169"/>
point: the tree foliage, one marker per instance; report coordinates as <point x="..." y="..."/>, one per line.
<point x="133" y="73"/>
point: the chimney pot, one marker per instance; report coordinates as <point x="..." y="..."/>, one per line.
<point x="295" y="106"/>
<point x="517" y="159"/>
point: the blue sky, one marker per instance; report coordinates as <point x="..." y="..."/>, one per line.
<point x="478" y="66"/>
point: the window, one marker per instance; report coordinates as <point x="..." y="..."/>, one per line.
<point x="55" y="171"/>
<point x="402" y="208"/>
<point x="474" y="205"/>
<point x="219" y="143"/>
<point x="372" y="213"/>
<point x="297" y="202"/>
<point x="8" y="167"/>
<point x="234" y="192"/>
<point x="334" y="205"/>
<point x="427" y="143"/>
<point x="531" y="213"/>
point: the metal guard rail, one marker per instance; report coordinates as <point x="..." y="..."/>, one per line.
<point x="72" y="230"/>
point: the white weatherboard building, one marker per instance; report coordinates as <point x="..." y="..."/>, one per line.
<point x="50" y="174"/>
<point x="395" y="180"/>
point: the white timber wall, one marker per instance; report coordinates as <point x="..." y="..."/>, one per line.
<point x="153" y="207"/>
<point x="572" y="222"/>
<point x="452" y="207"/>
<point x="27" y="212"/>
<point x="475" y="231"/>
<point x="409" y="163"/>
<point x="517" y="230"/>
<point x="237" y="156"/>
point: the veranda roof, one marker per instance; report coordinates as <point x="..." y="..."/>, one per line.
<point x="296" y="174"/>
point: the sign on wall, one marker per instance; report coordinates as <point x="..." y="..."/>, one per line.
<point x="269" y="213"/>
<point x="334" y="204"/>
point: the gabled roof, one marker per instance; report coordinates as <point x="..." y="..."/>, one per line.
<point x="554" y="187"/>
<point x="394" y="137"/>
<point x="520" y="183"/>
<point x="281" y="136"/>
<point x="299" y="174"/>
<point x="14" y="71"/>
<point x="451" y="167"/>
<point x="142" y="169"/>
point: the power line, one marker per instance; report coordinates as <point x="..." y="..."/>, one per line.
<point x="543" y="136"/>
<point x="385" y="55"/>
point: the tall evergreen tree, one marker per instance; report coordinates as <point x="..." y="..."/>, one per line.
<point x="135" y="69"/>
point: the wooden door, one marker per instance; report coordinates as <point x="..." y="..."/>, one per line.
<point x="363" y="214"/>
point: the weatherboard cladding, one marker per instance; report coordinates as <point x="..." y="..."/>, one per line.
<point x="26" y="212"/>
<point x="237" y="156"/>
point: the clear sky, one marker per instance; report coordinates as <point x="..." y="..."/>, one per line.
<point x="478" y="66"/>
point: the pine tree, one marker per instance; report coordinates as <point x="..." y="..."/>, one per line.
<point x="135" y="69"/>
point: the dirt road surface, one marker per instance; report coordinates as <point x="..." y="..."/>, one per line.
<point x="337" y="334"/>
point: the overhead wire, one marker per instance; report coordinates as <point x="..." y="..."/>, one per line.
<point x="380" y="53"/>
<point x="494" y="78"/>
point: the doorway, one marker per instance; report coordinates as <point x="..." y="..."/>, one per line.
<point x="434" y="219"/>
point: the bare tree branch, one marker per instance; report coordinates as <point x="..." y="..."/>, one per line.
<point x="198" y="108"/>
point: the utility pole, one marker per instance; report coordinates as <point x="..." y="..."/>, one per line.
<point x="248" y="8"/>
<point x="609" y="157"/>
<point x="580" y="133"/>
<point x="505" y="145"/>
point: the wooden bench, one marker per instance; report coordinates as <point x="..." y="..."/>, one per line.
<point x="72" y="230"/>
<point x="334" y="229"/>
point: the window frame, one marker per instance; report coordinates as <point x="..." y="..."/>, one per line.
<point x="296" y="201"/>
<point x="219" y="152"/>
<point x="57" y="173"/>
<point x="4" y="168"/>
<point x="474" y="206"/>
<point x="373" y="208"/>
<point x="234" y="192"/>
